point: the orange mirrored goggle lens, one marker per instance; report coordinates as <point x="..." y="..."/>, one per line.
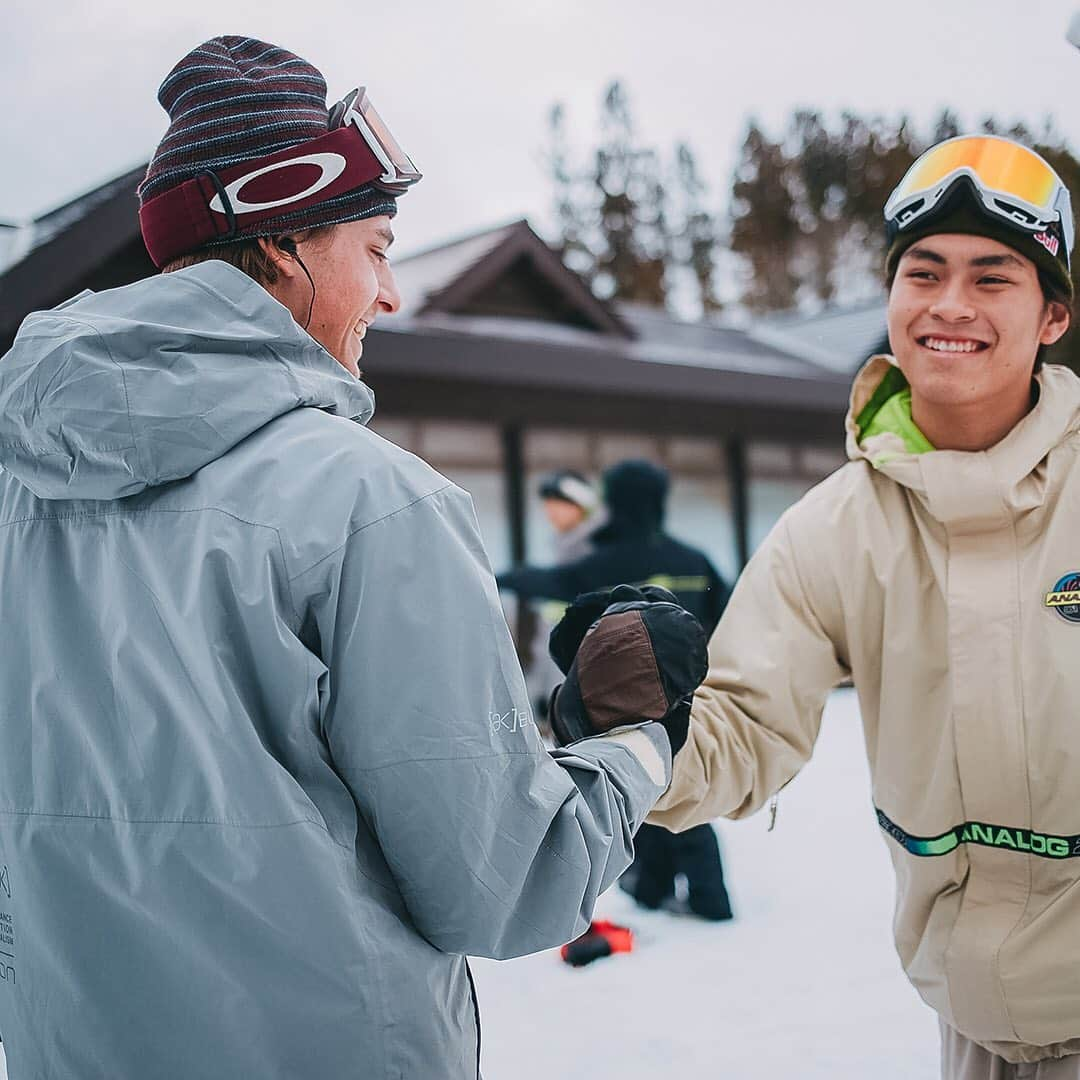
<point x="1000" y="165"/>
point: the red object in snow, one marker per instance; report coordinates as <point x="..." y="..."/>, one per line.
<point x="603" y="938"/>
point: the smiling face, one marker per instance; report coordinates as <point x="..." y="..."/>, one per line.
<point x="350" y="268"/>
<point x="966" y="318"/>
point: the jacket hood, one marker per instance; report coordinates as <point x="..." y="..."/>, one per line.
<point x="114" y="392"/>
<point x="1011" y="461"/>
<point x="635" y="493"/>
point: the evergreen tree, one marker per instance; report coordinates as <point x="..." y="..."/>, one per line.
<point x="764" y="227"/>
<point x="615" y="214"/>
<point x="699" y="236"/>
<point x="807" y="206"/>
<point x="805" y="211"/>
<point x="632" y="255"/>
<point x="818" y="175"/>
<point x="947" y="127"/>
<point x="570" y="202"/>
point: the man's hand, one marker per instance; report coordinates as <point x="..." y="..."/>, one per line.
<point x="630" y="655"/>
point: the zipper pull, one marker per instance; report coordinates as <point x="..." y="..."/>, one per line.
<point x="774" y="804"/>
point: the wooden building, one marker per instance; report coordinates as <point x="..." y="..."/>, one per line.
<point x="502" y="365"/>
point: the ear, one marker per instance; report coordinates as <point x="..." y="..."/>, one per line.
<point x="1055" y="323"/>
<point x="283" y="262"/>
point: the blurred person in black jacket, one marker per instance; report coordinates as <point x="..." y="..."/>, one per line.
<point x="632" y="548"/>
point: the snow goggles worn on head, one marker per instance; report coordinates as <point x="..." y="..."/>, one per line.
<point x="355" y="108"/>
<point x="357" y="150"/>
<point x="1012" y="183"/>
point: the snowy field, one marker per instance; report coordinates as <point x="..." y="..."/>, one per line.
<point x="804" y="984"/>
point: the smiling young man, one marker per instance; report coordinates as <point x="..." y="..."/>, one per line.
<point x="268" y="768"/>
<point x="964" y="311"/>
<point x="940" y="570"/>
<point x="352" y="259"/>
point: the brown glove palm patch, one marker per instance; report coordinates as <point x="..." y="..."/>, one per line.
<point x="619" y="680"/>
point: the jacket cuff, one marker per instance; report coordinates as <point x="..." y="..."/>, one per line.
<point x="649" y="745"/>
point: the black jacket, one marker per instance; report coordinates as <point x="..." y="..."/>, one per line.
<point x="632" y="549"/>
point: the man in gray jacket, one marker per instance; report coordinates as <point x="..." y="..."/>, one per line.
<point x="268" y="770"/>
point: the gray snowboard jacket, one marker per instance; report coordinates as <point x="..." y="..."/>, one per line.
<point x="267" y="766"/>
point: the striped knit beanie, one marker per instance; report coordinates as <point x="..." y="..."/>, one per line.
<point x="234" y="99"/>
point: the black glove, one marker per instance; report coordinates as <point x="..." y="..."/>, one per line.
<point x="629" y="655"/>
<point x="566" y="636"/>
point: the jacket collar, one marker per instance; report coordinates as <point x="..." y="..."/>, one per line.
<point x="961" y="486"/>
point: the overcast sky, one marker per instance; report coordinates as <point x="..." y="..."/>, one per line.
<point x="467" y="86"/>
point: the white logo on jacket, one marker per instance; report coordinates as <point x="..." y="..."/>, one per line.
<point x="514" y="720"/>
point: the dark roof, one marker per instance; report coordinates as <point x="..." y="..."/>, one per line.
<point x="492" y="369"/>
<point x="662" y="338"/>
<point x="92" y="241"/>
<point x="838" y="338"/>
<point x="508" y="271"/>
<point x="496" y="326"/>
<point x="481" y="336"/>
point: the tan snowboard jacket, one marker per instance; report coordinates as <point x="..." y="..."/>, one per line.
<point x="947" y="585"/>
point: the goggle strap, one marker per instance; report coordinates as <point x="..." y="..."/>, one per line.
<point x="1056" y="228"/>
<point x="211" y="206"/>
<point x="223" y="195"/>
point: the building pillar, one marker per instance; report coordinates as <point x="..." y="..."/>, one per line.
<point x="739" y="486"/>
<point x="514" y="489"/>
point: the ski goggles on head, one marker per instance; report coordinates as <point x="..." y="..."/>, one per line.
<point x="1012" y="183"/>
<point x="355" y="108"/>
<point x="218" y="206"/>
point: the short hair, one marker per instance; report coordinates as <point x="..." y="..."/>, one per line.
<point x="246" y="254"/>
<point x="1053" y="293"/>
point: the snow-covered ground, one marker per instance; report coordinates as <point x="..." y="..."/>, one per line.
<point x="804" y="984"/>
